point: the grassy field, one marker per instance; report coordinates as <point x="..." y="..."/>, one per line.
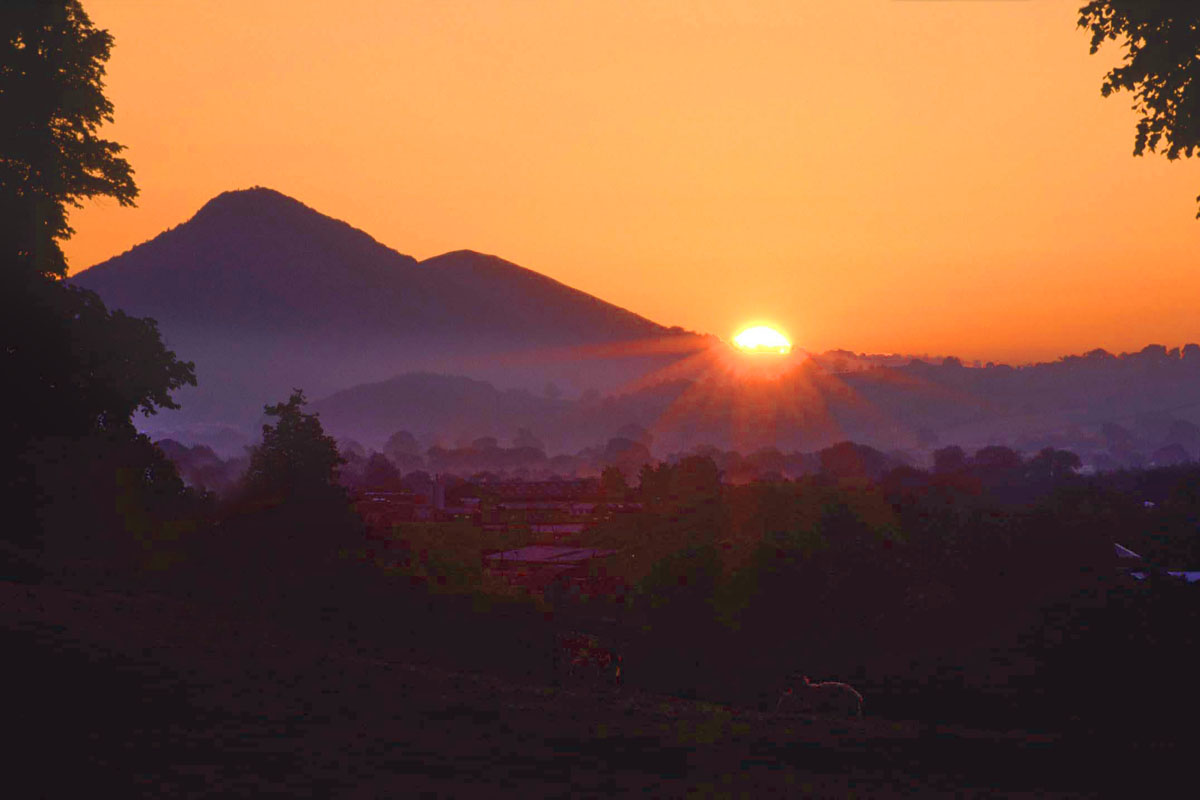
<point x="152" y="696"/>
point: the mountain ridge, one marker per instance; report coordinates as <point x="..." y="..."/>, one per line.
<point x="265" y="293"/>
<point x="245" y="228"/>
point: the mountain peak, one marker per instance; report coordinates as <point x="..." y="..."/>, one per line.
<point x="267" y="225"/>
<point x="265" y="293"/>
<point x="255" y="201"/>
<point x="471" y="265"/>
<point x="463" y="253"/>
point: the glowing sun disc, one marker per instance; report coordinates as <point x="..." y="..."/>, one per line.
<point x="762" y="339"/>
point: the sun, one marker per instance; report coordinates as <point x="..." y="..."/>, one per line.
<point x="763" y="339"/>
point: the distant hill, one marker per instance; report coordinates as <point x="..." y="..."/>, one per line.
<point x="1132" y="409"/>
<point x="434" y="406"/>
<point x="265" y="294"/>
<point x="678" y="412"/>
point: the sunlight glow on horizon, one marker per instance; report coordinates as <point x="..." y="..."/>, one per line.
<point x="763" y="339"/>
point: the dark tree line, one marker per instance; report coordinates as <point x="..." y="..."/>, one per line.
<point x="985" y="592"/>
<point x="75" y="372"/>
<point x="81" y="488"/>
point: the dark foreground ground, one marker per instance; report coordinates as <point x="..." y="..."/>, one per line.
<point x="109" y="694"/>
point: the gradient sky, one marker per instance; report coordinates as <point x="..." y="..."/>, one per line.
<point x="935" y="176"/>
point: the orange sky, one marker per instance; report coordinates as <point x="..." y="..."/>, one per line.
<point x="878" y="175"/>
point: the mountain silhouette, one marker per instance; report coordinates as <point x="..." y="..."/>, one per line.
<point x="265" y="293"/>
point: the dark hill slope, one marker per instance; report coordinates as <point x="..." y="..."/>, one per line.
<point x="254" y="259"/>
<point x="259" y="260"/>
<point x="550" y="313"/>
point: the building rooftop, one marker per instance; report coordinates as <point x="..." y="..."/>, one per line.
<point x="549" y="554"/>
<point x="1189" y="576"/>
<point x="1124" y="552"/>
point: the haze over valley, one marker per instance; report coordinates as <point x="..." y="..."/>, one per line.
<point x="266" y="294"/>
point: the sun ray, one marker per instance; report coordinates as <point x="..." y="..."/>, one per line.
<point x="745" y="395"/>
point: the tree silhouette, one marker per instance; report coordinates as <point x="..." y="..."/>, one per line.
<point x="75" y="371"/>
<point x="613" y="483"/>
<point x="403" y="451"/>
<point x="625" y="454"/>
<point x="380" y="473"/>
<point x="1161" y="68"/>
<point x="52" y="104"/>
<point x="949" y="459"/>
<point x="1054" y="465"/>
<point x="285" y="543"/>
<point x="80" y="367"/>
<point x="996" y="456"/>
<point x="401" y="443"/>
<point x="851" y="460"/>
<point x="296" y="459"/>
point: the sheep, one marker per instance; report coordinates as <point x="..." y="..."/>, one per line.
<point x="830" y="698"/>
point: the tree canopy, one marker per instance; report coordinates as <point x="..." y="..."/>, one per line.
<point x="296" y="458"/>
<point x="1161" y="67"/>
<point x="52" y="105"/>
<point x="80" y="367"/>
<point x="75" y="373"/>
